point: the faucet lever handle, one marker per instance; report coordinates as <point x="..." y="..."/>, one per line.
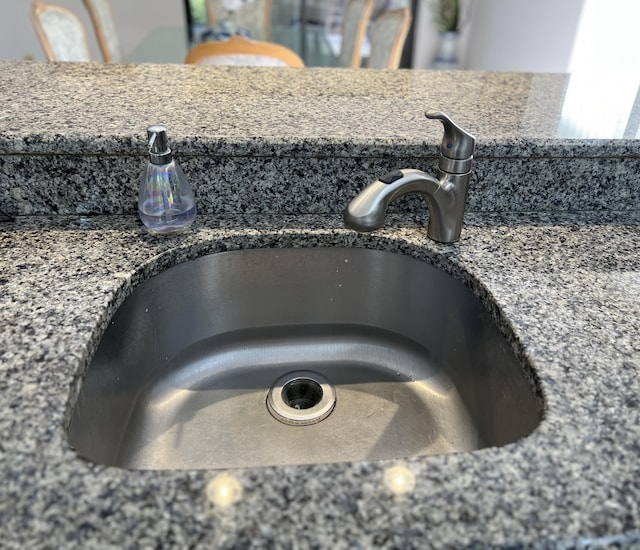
<point x="457" y="144"/>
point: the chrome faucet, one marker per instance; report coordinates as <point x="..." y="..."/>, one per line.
<point x="445" y="196"/>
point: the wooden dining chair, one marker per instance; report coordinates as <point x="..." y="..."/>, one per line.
<point x="61" y="33"/>
<point x="239" y="50"/>
<point x="355" y="20"/>
<point x="388" y="36"/>
<point x="253" y="16"/>
<point x="105" y="29"/>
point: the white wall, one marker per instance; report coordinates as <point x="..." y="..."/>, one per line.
<point x="424" y="35"/>
<point x="505" y="35"/>
<point x="134" y="19"/>
<point x="522" y="35"/>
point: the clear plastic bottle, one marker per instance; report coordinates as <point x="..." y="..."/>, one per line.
<point x="165" y="203"/>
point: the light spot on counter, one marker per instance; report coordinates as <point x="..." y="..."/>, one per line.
<point x="399" y="480"/>
<point x="224" y="490"/>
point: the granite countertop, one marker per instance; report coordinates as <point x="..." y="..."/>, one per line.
<point x="563" y="276"/>
<point x="568" y="286"/>
<point x="63" y="108"/>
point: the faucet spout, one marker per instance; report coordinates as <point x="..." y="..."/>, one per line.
<point x="446" y="195"/>
<point x="445" y="198"/>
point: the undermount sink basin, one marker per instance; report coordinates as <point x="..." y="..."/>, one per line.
<point x="291" y="356"/>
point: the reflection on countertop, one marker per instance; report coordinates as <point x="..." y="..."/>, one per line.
<point x="601" y="105"/>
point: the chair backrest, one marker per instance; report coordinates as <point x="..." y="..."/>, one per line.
<point x="61" y="33"/>
<point x="354" y="28"/>
<point x="255" y="16"/>
<point x="239" y="50"/>
<point x="388" y="36"/>
<point x="104" y="26"/>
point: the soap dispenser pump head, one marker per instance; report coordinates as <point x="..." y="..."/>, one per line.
<point x="158" y="145"/>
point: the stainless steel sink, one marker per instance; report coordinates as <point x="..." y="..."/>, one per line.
<point x="289" y="356"/>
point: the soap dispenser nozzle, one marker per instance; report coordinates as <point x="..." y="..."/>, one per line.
<point x="158" y="145"/>
<point x="166" y="203"/>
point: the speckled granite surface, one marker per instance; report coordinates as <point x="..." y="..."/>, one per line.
<point x="314" y="112"/>
<point x="567" y="285"/>
<point x="251" y="142"/>
<point x="564" y="283"/>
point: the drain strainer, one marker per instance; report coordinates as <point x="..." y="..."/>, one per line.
<point x="301" y="398"/>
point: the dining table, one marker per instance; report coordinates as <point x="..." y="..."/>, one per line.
<point x="170" y="44"/>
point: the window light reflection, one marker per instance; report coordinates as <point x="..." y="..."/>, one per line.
<point x="605" y="81"/>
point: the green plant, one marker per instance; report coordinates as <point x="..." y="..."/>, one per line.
<point x="447" y="15"/>
<point x="198" y="11"/>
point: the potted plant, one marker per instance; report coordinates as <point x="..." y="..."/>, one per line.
<point x="447" y="21"/>
<point x="447" y="13"/>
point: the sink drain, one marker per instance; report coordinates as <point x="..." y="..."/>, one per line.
<point x="301" y="398"/>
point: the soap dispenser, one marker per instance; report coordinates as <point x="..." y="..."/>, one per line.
<point x="165" y="203"/>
